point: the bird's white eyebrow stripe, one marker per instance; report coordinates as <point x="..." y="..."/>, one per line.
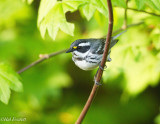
<point x="84" y="44"/>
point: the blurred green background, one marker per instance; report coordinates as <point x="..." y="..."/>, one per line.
<point x="55" y="91"/>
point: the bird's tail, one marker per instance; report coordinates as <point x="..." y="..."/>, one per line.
<point x="115" y="37"/>
<point x="115" y="40"/>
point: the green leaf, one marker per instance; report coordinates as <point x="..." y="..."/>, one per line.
<point x="155" y="4"/>
<point x="28" y="1"/>
<point x="4" y="91"/>
<point x="72" y="5"/>
<point x="53" y="18"/>
<point x="140" y="4"/>
<point x="88" y="11"/>
<point x="8" y="80"/>
<point x="45" y="7"/>
<point x="91" y="6"/>
<point x="101" y="6"/>
<point x="121" y="3"/>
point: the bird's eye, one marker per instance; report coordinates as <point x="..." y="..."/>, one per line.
<point x="75" y="47"/>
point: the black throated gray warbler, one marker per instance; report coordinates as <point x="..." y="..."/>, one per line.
<point x="88" y="53"/>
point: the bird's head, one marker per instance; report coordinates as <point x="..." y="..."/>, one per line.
<point x="81" y="45"/>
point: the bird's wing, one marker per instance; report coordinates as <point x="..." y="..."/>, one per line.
<point x="113" y="42"/>
<point x="98" y="46"/>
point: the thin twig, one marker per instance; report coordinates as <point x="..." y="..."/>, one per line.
<point x="42" y="58"/>
<point x="128" y="26"/>
<point x="100" y="71"/>
<point x="151" y="13"/>
<point x="125" y="16"/>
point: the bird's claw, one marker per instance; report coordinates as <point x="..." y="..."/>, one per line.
<point x="103" y="69"/>
<point x="97" y="83"/>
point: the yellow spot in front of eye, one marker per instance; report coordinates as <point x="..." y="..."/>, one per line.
<point x="75" y="47"/>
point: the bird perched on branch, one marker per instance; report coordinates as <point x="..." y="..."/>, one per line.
<point x="87" y="53"/>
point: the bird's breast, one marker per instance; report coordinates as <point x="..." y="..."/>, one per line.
<point x="83" y="64"/>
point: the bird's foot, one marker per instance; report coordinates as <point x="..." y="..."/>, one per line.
<point x="97" y="83"/>
<point x="103" y="69"/>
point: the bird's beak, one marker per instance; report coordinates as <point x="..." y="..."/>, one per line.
<point x="69" y="50"/>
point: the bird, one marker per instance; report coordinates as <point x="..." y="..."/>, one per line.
<point x="87" y="53"/>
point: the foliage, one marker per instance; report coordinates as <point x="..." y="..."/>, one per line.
<point x="8" y="80"/>
<point x="28" y="1"/>
<point x="56" y="89"/>
<point x="136" y="60"/>
<point x="53" y="18"/>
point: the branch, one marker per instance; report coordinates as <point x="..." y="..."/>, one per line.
<point x="144" y="12"/>
<point x="100" y="71"/>
<point x="42" y="58"/>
